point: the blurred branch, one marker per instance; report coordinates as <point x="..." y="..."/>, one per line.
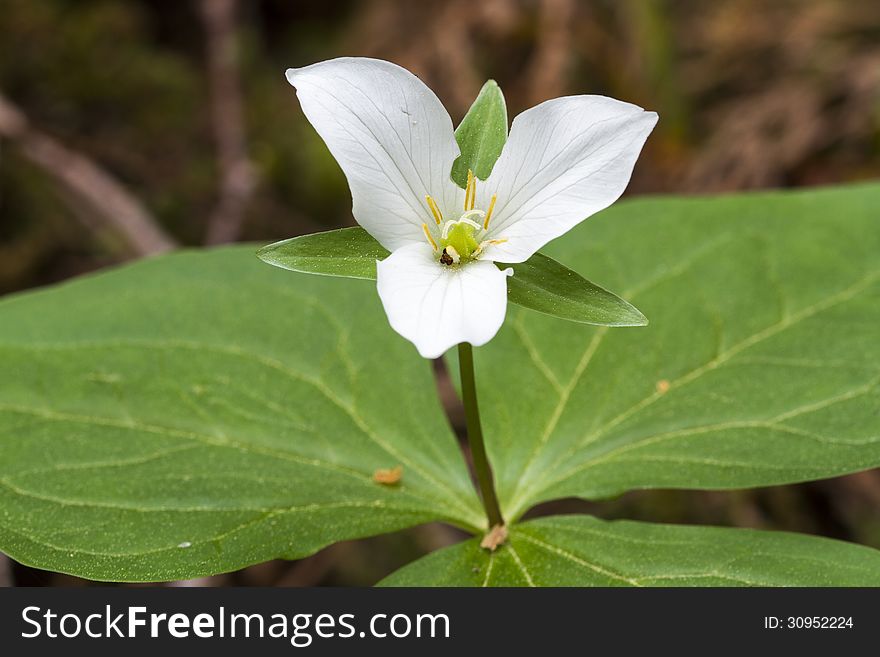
<point x="5" y="571"/>
<point x="237" y="173"/>
<point x="547" y="70"/>
<point x="198" y="582"/>
<point x="114" y="205"/>
<point x="311" y="570"/>
<point x="453" y="45"/>
<point x="653" y="57"/>
<point x="867" y="484"/>
<point x="443" y="58"/>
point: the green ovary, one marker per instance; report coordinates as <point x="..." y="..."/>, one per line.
<point x="461" y="238"/>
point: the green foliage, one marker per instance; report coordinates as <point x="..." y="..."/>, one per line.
<point x="481" y="135"/>
<point x="199" y="412"/>
<point x="540" y="283"/>
<point x="586" y="551"/>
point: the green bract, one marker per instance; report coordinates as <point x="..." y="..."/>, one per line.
<point x="481" y="135"/>
<point x="201" y="411"/>
<point x="348" y="252"/>
<point x="540" y="283"/>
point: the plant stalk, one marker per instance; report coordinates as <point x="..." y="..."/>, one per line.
<point x="475" y="435"/>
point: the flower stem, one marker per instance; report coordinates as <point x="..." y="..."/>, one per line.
<point x="475" y="435"/>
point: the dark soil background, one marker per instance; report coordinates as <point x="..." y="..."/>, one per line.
<point x="128" y="127"/>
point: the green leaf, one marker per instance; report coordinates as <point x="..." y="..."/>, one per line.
<point x="481" y="135"/>
<point x="348" y="252"/>
<point x="540" y="283"/>
<point x="551" y="288"/>
<point x="196" y="413"/>
<point x="761" y="365"/>
<point x="586" y="551"/>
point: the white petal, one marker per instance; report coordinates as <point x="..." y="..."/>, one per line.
<point x="565" y="159"/>
<point x="434" y="306"/>
<point x="391" y="136"/>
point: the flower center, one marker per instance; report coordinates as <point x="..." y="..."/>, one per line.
<point x="458" y="238"/>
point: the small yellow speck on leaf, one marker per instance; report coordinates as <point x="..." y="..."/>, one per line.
<point x="662" y="386"/>
<point x="496" y="536"/>
<point x="388" y="476"/>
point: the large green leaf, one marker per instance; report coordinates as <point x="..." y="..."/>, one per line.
<point x="540" y="283"/>
<point x="196" y="413"/>
<point x="761" y="364"/>
<point x="585" y="551"/>
<point x="481" y="135"/>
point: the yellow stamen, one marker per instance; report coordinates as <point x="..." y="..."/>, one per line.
<point x="438" y="216"/>
<point x="486" y="243"/>
<point x="428" y="235"/>
<point x="470" y="191"/>
<point x="489" y="211"/>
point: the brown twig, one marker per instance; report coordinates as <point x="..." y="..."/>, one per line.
<point x="546" y="74"/>
<point x="112" y="203"/>
<point x="311" y="570"/>
<point x="198" y="582"/>
<point x="237" y="174"/>
<point x="453" y="46"/>
<point x="443" y="58"/>
<point x="5" y="571"/>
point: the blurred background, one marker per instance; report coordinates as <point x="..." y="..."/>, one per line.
<point x="132" y="127"/>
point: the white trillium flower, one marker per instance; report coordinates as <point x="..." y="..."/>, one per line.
<point x="564" y="160"/>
